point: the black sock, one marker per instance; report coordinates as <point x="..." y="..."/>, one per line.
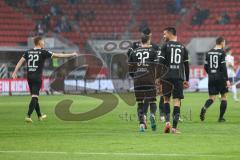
<point x="161" y="106"/>
<point x="140" y="113"/>
<point x="145" y="107"/>
<point x="32" y="106"/>
<point x="38" y="109"/>
<point x="153" y="108"/>
<point x="167" y="111"/>
<point x="176" y="114"/>
<point x="223" y="107"/>
<point x="208" y="103"/>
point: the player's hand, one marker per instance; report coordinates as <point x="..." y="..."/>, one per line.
<point x="228" y="84"/>
<point x="157" y="82"/>
<point x="14" y="75"/>
<point x="185" y="84"/>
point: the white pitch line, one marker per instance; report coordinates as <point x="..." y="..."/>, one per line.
<point x="34" y="152"/>
<point x="153" y="154"/>
<point x="122" y="154"/>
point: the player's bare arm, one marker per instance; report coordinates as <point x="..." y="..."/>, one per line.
<point x="62" y="55"/>
<point x="18" y="66"/>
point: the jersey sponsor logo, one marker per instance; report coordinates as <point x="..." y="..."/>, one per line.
<point x="175" y="45"/>
<point x="217" y="53"/>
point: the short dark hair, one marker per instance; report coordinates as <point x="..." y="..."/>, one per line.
<point x="146" y="31"/>
<point x="37" y="39"/>
<point x="145" y="38"/>
<point x="219" y="40"/>
<point x="171" y="30"/>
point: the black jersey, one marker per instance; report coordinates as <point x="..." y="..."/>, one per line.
<point x="174" y="55"/>
<point x="35" y="59"/>
<point x="215" y="64"/>
<point x="143" y="59"/>
<point x="138" y="44"/>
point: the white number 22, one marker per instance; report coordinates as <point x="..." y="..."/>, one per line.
<point x="32" y="60"/>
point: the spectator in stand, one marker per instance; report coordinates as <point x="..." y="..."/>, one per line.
<point x="65" y="25"/>
<point x="178" y="4"/>
<point x="55" y="10"/>
<point x="34" y="4"/>
<point x="223" y="19"/>
<point x="175" y="7"/>
<point x="200" y="16"/>
<point x="57" y="27"/>
<point x="46" y="21"/>
<point x="40" y="29"/>
<point x="62" y="25"/>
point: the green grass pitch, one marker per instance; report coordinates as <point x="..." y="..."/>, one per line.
<point x="113" y="136"/>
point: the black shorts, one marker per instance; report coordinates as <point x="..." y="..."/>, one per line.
<point x="34" y="85"/>
<point x="144" y="88"/>
<point x="217" y="86"/>
<point x="177" y="91"/>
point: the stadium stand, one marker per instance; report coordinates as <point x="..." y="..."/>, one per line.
<point x="158" y="16"/>
<point x="15" y="28"/>
<point x="210" y="27"/>
<point x="89" y="17"/>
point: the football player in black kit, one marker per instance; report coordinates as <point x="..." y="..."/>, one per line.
<point x="175" y="56"/>
<point x="135" y="45"/>
<point x="142" y="69"/>
<point x="35" y="59"/>
<point x="215" y="66"/>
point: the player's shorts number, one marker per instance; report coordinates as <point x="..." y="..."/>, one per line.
<point x="175" y="56"/>
<point x="214" y="61"/>
<point x="32" y="60"/>
<point x="142" y="56"/>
